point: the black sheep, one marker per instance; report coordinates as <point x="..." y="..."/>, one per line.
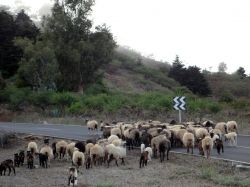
<point x="164" y="146"/>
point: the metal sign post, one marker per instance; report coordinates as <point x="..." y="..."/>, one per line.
<point x="179" y="104"/>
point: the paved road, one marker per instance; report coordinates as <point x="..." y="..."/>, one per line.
<point x="240" y="153"/>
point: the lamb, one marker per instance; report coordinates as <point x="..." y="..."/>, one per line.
<point x="201" y="133"/>
<point x="32" y="147"/>
<point x="147" y="149"/>
<point x="7" y="164"/>
<point x="232" y="138"/>
<point x="61" y="147"/>
<point x="155" y="143"/>
<point x="232" y="126"/>
<point x="222" y="127"/>
<point x="47" y="150"/>
<point x="72" y="180"/>
<point x="70" y="149"/>
<point x="188" y="141"/>
<point x="78" y="158"/>
<point x="164" y="146"/>
<point x="219" y="145"/>
<point x="144" y="159"/>
<point x="207" y="145"/>
<point x="88" y="147"/>
<point x="92" y="125"/>
<point x="116" y="153"/>
<point x="116" y="131"/>
<point x="96" y="154"/>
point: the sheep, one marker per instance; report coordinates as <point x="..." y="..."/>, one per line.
<point x="208" y="123"/>
<point x="116" y="153"/>
<point x="106" y="131"/>
<point x="164" y="146"/>
<point x="155" y="143"/>
<point x="78" y="158"/>
<point x="232" y="126"/>
<point x="154" y="131"/>
<point x="80" y="146"/>
<point x="30" y="160"/>
<point x="219" y="145"/>
<point x="201" y="133"/>
<point x="61" y="147"/>
<point x="222" y="127"/>
<point x="112" y="138"/>
<point x="92" y="125"/>
<point x="47" y="150"/>
<point x="88" y="147"/>
<point x="96" y="154"/>
<point x="179" y="136"/>
<point x="232" y="137"/>
<point x="72" y="179"/>
<point x="132" y="137"/>
<point x="16" y="160"/>
<point x="21" y="157"/>
<point x="43" y="160"/>
<point x="217" y="132"/>
<point x="201" y="152"/>
<point x="70" y="149"/>
<point x="116" y="131"/>
<point x="88" y="162"/>
<point x="148" y="149"/>
<point x="144" y="159"/>
<point x="188" y="141"/>
<point x="32" y="147"/>
<point x="207" y="145"/>
<point x="146" y="138"/>
<point x="7" y="164"/>
<point x="118" y="142"/>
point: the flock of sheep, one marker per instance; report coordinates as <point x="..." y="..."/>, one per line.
<point x="152" y="137"/>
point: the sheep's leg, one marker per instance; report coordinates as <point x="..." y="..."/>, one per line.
<point x="123" y="163"/>
<point x="168" y="153"/>
<point x="13" y="170"/>
<point x="116" y="162"/>
<point x="9" y="170"/>
<point x="192" y="150"/>
<point x="222" y="147"/>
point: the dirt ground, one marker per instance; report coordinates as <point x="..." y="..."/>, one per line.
<point x="179" y="171"/>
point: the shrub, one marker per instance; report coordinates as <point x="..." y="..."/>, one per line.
<point x="41" y="99"/>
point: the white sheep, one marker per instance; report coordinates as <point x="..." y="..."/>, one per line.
<point x="48" y="151"/>
<point x="147" y="149"/>
<point x="92" y="125"/>
<point x="118" y="142"/>
<point x="78" y="158"/>
<point x="116" y="131"/>
<point x="70" y="149"/>
<point x="207" y="145"/>
<point x="88" y="147"/>
<point x="61" y="148"/>
<point x="112" y="138"/>
<point x="232" y="126"/>
<point x="116" y="153"/>
<point x="216" y="132"/>
<point x="188" y="141"/>
<point x="32" y="147"/>
<point x="155" y="143"/>
<point x="222" y="127"/>
<point x="200" y="133"/>
<point x="96" y="154"/>
<point x="232" y="138"/>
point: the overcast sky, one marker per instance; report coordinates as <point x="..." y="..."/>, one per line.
<point x="201" y="32"/>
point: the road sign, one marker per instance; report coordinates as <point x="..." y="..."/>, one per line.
<point x="179" y="103"/>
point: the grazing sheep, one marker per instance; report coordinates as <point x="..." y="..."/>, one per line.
<point x="112" y="138"/>
<point x="232" y="126"/>
<point x="47" y="150"/>
<point x="88" y="147"/>
<point x="78" y="158"/>
<point x="116" y="131"/>
<point x="155" y="143"/>
<point x="70" y="149"/>
<point x="188" y="141"/>
<point x="164" y="146"/>
<point x="201" y="133"/>
<point x="96" y="154"/>
<point x="232" y="138"/>
<point x="7" y="164"/>
<point x="116" y="153"/>
<point x="80" y="146"/>
<point x="219" y="145"/>
<point x="222" y="127"/>
<point x="32" y="147"/>
<point x="144" y="159"/>
<point x="61" y="147"/>
<point x="207" y="146"/>
<point x="92" y="125"/>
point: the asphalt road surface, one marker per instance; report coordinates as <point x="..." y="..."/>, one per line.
<point x="76" y="132"/>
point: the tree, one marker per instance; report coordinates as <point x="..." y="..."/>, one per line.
<point x="79" y="51"/>
<point x="222" y="68"/>
<point x="38" y="67"/>
<point x="241" y="72"/>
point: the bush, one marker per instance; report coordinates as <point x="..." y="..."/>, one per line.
<point x="241" y="104"/>
<point x="41" y="99"/>
<point x="96" y="88"/>
<point x="226" y="97"/>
